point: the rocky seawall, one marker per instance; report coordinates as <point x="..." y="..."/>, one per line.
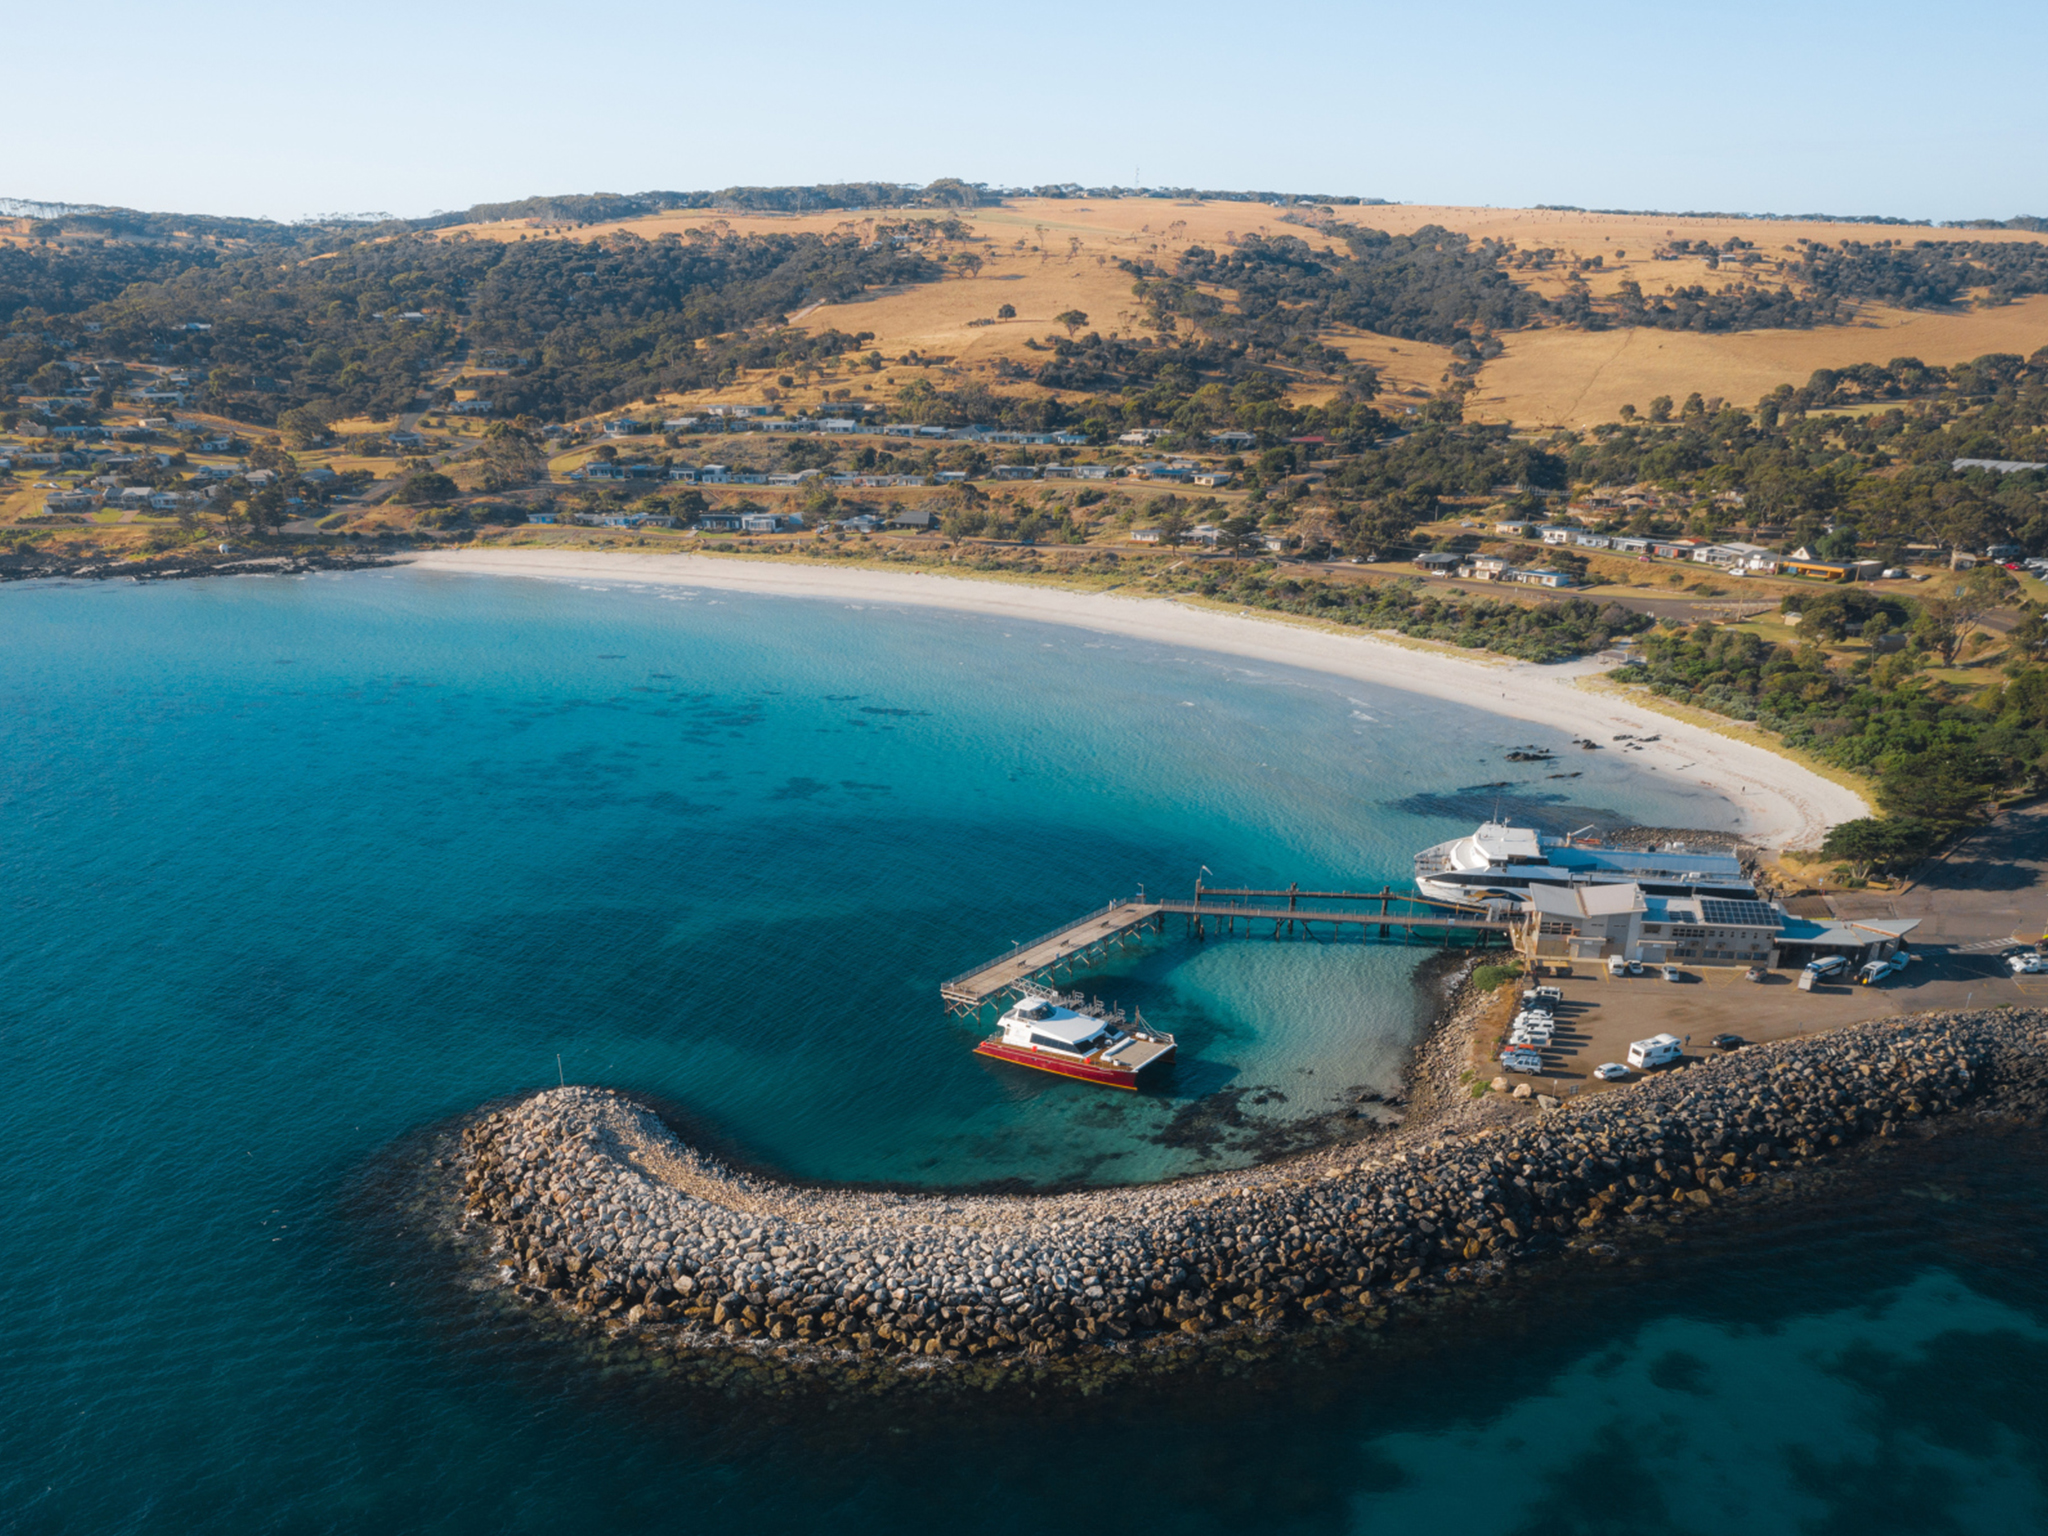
<point x="594" y="1207"/>
<point x="52" y="565"/>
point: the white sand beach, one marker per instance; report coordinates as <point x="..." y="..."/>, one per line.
<point x="1771" y="799"/>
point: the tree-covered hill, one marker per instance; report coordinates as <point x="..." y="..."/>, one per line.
<point x="588" y="326"/>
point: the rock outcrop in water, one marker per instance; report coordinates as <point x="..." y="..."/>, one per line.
<point x="604" y="1212"/>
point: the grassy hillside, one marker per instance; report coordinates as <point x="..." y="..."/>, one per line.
<point x="1044" y="257"/>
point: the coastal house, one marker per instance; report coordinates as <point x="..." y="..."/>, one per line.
<point x="1827" y="570"/>
<point x="1731" y="555"/>
<point x="1996" y="466"/>
<point x="911" y="517"/>
<point x="1437" y="564"/>
<point x="1553" y="533"/>
<point x="1486" y="568"/>
<point x="1234" y="440"/>
<point x="1213" y="477"/>
<point x="1540" y="577"/>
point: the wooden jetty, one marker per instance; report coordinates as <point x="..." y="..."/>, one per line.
<point x="1081" y="942"/>
<point x="1214" y="913"/>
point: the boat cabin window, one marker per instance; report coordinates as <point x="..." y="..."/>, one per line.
<point x="1080" y="1046"/>
<point x="1036" y="1008"/>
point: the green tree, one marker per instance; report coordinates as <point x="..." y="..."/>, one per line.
<point x="1942" y="786"/>
<point x="427" y="488"/>
<point x="1172" y="521"/>
<point x="301" y="426"/>
<point x="1072" y="319"/>
<point x="1006" y="312"/>
<point x="1868" y="845"/>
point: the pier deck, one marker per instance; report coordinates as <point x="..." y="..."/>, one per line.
<point x="1215" y="913"/>
<point x="1079" y="942"/>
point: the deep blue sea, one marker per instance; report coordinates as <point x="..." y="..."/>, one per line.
<point x="294" y="870"/>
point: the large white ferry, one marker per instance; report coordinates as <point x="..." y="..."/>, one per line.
<point x="1499" y="863"/>
<point x="1047" y="1031"/>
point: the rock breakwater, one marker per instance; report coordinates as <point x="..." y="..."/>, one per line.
<point x="597" y="1208"/>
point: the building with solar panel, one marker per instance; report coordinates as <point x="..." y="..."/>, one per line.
<point x="1599" y="921"/>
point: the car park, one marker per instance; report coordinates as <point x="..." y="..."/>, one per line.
<point x="1610" y="1072"/>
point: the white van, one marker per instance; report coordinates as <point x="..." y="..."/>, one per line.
<point x="1826" y="966"/>
<point x="1657" y="1051"/>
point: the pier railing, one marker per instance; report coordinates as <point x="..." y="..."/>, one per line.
<point x="1049" y="934"/>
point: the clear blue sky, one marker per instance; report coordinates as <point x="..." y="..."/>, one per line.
<point x="232" y="107"/>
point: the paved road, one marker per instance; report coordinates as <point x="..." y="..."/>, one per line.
<point x="1992" y="886"/>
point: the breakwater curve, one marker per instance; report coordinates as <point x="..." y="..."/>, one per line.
<point x="593" y="1207"/>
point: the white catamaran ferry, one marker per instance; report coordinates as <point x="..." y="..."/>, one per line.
<point x="1051" y="1033"/>
<point x="1499" y="863"/>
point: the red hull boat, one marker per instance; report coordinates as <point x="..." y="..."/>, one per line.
<point x="1049" y="1033"/>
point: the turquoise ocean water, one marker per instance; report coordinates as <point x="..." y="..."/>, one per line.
<point x="293" y="869"/>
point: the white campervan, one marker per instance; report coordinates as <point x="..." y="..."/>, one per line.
<point x="1657" y="1051"/>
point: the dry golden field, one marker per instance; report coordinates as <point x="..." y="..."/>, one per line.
<point x="1045" y="256"/>
<point x="1558" y="377"/>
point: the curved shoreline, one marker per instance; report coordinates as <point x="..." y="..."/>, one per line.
<point x="598" y="1210"/>
<point x="1772" y="800"/>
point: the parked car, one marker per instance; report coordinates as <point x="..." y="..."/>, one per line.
<point x="1610" y="1072"/>
<point x="1657" y="1051"/>
<point x="1727" y="1042"/>
<point x="1755" y="973"/>
<point x="2027" y="963"/>
<point x="1671" y="973"/>
<point x="1536" y="995"/>
<point x="1521" y="1059"/>
<point x="1879" y="971"/>
<point x="1826" y="966"/>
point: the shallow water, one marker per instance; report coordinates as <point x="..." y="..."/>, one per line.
<point x="295" y="868"/>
